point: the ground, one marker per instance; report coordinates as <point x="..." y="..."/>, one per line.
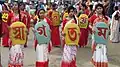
<point x="83" y="55"/>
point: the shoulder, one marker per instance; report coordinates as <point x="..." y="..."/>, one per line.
<point x="47" y="19"/>
<point x="50" y="11"/>
<point x="5" y="11"/>
<point x="108" y="18"/>
<point x="65" y="19"/>
<point x="92" y="18"/>
<point x="114" y="13"/>
<point x="94" y="15"/>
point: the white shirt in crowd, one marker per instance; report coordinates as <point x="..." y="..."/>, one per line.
<point x="0" y="8"/>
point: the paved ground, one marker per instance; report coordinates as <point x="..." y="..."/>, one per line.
<point x="83" y="55"/>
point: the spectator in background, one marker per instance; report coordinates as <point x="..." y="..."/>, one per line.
<point x="27" y="8"/>
<point x="105" y="4"/>
<point x="115" y="25"/>
<point x="0" y="7"/>
<point x="54" y="16"/>
<point x="84" y="10"/>
<point x="110" y="10"/>
<point x="6" y="21"/>
<point x="65" y="14"/>
<point x="96" y="2"/>
<point x="25" y="18"/>
<point x="117" y="3"/>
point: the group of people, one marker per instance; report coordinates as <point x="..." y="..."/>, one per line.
<point x="76" y="24"/>
<point x="11" y="13"/>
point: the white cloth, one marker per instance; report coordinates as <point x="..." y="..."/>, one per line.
<point x="16" y="55"/>
<point x="27" y="8"/>
<point x="100" y="54"/>
<point x="0" y="8"/>
<point x="115" y="35"/>
<point x="42" y="52"/>
<point x="52" y="1"/>
<point x="95" y="3"/>
<point x="117" y="3"/>
<point x="69" y="53"/>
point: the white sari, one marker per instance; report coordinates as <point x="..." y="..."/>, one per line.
<point x="115" y="34"/>
<point x="42" y="53"/>
<point x="99" y="58"/>
<point x="69" y="53"/>
<point x="16" y="55"/>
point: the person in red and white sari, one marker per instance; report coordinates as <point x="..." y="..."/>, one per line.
<point x="16" y="54"/>
<point x="6" y="21"/>
<point x="69" y="52"/>
<point x="42" y="50"/>
<point x="99" y="58"/>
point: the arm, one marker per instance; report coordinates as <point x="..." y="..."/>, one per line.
<point x="63" y="34"/>
<point x="34" y="31"/>
<point x="35" y="41"/>
<point x="28" y="21"/>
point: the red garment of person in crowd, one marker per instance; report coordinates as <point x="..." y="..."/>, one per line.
<point x="55" y="34"/>
<point x="0" y="25"/>
<point x="83" y="40"/>
<point x="92" y="18"/>
<point x="6" y="21"/>
<point x="25" y="18"/>
<point x="87" y="12"/>
<point x="84" y="32"/>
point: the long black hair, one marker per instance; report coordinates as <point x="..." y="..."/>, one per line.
<point x="6" y="8"/>
<point x="72" y="8"/>
<point x="36" y="9"/>
<point x="19" y="10"/>
<point x="84" y="5"/>
<point x="103" y="12"/>
<point x="39" y="12"/>
<point x="22" y="4"/>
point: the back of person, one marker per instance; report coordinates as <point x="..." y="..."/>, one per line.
<point x="55" y="18"/>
